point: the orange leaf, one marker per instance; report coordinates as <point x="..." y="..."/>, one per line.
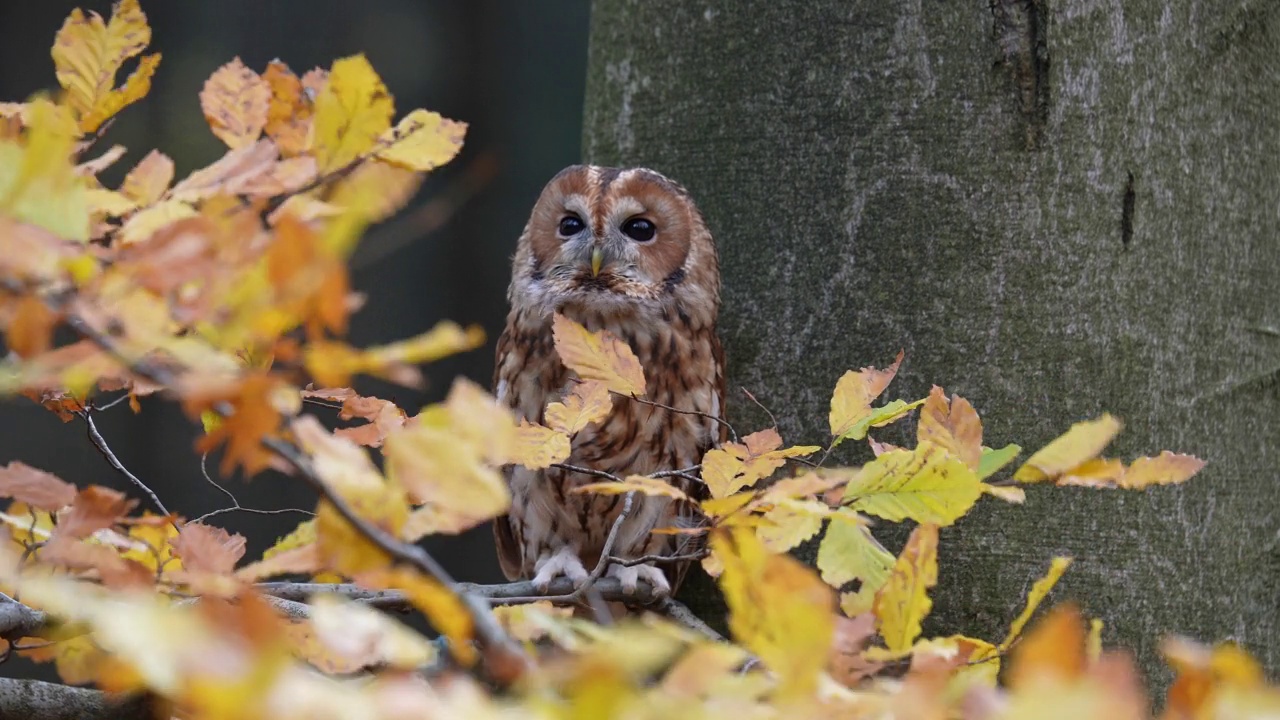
<point x="30" y="332"/>
<point x="254" y="418"/>
<point x="94" y="508"/>
<point x="952" y="426"/>
<point x="598" y="356"/>
<point x="289" y="113"/>
<point x="1052" y="652"/>
<point x="36" y="488"/>
<point x="235" y="101"/>
<point x="204" y="548"/>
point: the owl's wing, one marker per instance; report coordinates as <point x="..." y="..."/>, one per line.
<point x="510" y="555"/>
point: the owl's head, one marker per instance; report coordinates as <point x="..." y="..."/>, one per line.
<point x="609" y="243"/>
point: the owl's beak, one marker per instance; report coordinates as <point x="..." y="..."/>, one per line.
<point x="597" y="258"/>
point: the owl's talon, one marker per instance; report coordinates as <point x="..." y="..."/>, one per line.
<point x="629" y="577"/>
<point x="563" y="563"/>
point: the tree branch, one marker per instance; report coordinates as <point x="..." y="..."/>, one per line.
<point x="18" y="621"/>
<point x="101" y="443"/>
<point x="36" y="700"/>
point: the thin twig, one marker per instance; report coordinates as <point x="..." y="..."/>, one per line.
<point x="732" y="433"/>
<point x="772" y="420"/>
<point x="237" y="507"/>
<point x="586" y="471"/>
<point x="114" y="402"/>
<point x="512" y="593"/>
<point x="658" y="559"/>
<point x="101" y="443"/>
<point x="681" y="613"/>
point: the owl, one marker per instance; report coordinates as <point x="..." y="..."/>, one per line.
<point x="623" y="250"/>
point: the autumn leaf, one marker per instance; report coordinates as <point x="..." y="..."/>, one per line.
<point x="587" y="403"/>
<point x="1167" y="468"/>
<point x="1039" y="590"/>
<point x="854" y="393"/>
<point x="208" y="549"/>
<point x="634" y="483"/>
<point x="296" y="552"/>
<point x="849" y="551"/>
<point x="598" y="356"/>
<point x="1052" y="652"/>
<point x="953" y="426"/>
<point x="447" y="456"/>
<point x="30" y="331"/>
<point x="734" y="466"/>
<point x="88" y="52"/>
<point x="235" y="101"/>
<point x="1081" y="443"/>
<point x="148" y="180"/>
<point x="902" y="604"/>
<point x="142" y="225"/>
<point x="94" y="508"/>
<point x="289" y="112"/>
<point x="778" y="609"/>
<point x="38" y="183"/>
<point x="422" y="141"/>
<point x="926" y="485"/>
<point x="254" y="417"/>
<point x="36" y="488"/>
<point x="352" y="111"/>
<point x="446" y="611"/>
<point x="791" y="522"/>
<point x="538" y="447"/>
<point x="332" y="363"/>
<point x="1219" y="681"/>
<point x="992" y="460"/>
<point x="347" y="637"/>
<point x="382" y="415"/>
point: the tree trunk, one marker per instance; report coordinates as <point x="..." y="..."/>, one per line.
<point x="1056" y="208"/>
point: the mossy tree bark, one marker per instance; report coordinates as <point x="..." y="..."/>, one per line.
<point x="1057" y="208"/>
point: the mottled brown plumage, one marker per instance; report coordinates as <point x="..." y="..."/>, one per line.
<point x="660" y="294"/>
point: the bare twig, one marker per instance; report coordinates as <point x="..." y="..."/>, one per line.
<point x="732" y="433"/>
<point x="101" y="443"/>
<point x="500" y="594"/>
<point x="237" y="507"/>
<point x="658" y="559"/>
<point x="681" y="613"/>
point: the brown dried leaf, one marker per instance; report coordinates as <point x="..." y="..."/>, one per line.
<point x="953" y="426"/>
<point x="234" y="101"/>
<point x="148" y="180"/>
<point x="204" y="548"/>
<point x="94" y="508"/>
<point x="37" y="488"/>
<point x="290" y="111"/>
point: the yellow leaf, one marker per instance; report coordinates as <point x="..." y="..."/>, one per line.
<point x="38" y="183"/>
<point x="1007" y="493"/>
<point x="333" y="364"/>
<point x="290" y="111"/>
<point x="589" y="402"/>
<point x="145" y="223"/>
<point x="851" y="401"/>
<point x="1039" y="590"/>
<point x="1165" y="469"/>
<point x="422" y="141"/>
<point x="903" y="602"/>
<point x="598" y="356"/>
<point x="791" y="522"/>
<point x="539" y="447"/>
<point x="850" y="552"/>
<point x="351" y="112"/>
<point x="445" y="611"/>
<point x="778" y="609"/>
<point x="1093" y="644"/>
<point x="235" y="101"/>
<point x="376" y="190"/>
<point x="992" y="460"/>
<point x="148" y="180"/>
<point x="347" y="470"/>
<point x="734" y="466"/>
<point x="634" y="483"/>
<point x="88" y="52"/>
<point x="953" y="426"/>
<point x="926" y="485"/>
<point x="1081" y="443"/>
<point x="363" y="636"/>
<point x="447" y="456"/>
<point x="108" y="202"/>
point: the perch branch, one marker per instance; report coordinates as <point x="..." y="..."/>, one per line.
<point x="36" y="700"/>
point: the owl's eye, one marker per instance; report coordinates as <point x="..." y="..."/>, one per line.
<point x="639" y="229"/>
<point x="571" y="225"/>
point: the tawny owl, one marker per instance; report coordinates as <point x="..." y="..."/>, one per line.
<point x="625" y="250"/>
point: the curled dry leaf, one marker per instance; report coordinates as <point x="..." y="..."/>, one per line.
<point x="36" y="488"/>
<point x="598" y="356"/>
